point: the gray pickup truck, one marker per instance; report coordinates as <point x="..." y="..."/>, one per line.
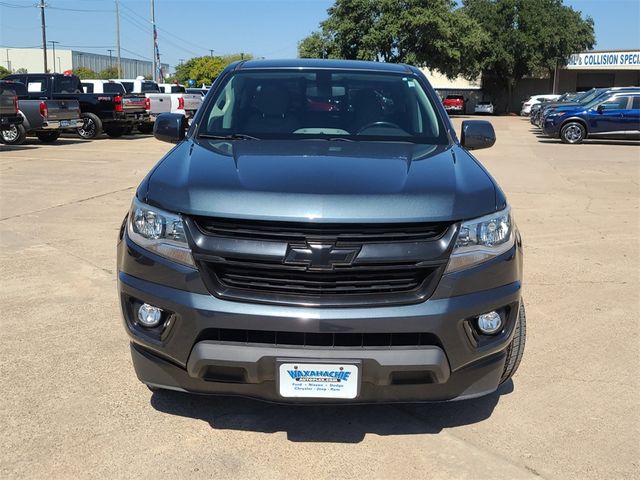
<point x="321" y="234"/>
<point x="9" y="115"/>
<point x="44" y="117"/>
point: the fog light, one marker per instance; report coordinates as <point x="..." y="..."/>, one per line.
<point x="490" y="323"/>
<point x="149" y="316"/>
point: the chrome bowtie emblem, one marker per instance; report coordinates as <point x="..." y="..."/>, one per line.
<point x="320" y="256"/>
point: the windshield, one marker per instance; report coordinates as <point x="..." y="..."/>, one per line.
<point x="593" y="94"/>
<point x="323" y="104"/>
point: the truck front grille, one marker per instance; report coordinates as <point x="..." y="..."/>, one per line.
<point x="319" y="339"/>
<point x="252" y="261"/>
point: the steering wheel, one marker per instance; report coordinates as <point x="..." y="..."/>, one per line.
<point x="379" y="124"/>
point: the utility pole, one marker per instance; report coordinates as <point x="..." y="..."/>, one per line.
<point x="153" y="40"/>
<point x="44" y="34"/>
<point x="8" y="62"/>
<point x="118" y="38"/>
<point x="53" y="44"/>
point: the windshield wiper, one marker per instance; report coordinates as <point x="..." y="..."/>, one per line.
<point x="233" y="136"/>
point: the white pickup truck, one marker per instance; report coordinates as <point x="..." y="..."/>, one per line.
<point x="173" y="99"/>
<point x="164" y="97"/>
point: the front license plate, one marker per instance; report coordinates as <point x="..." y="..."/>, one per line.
<point x="318" y="380"/>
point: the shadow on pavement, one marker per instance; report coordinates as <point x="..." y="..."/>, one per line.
<point x="15" y="148"/>
<point x="622" y="143"/>
<point x="327" y="423"/>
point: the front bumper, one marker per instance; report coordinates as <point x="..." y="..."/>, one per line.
<point x="187" y="357"/>
<point x="550" y="128"/>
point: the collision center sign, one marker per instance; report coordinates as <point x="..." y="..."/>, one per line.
<point x="625" y="60"/>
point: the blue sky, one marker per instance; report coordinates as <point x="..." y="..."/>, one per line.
<point x="265" y="28"/>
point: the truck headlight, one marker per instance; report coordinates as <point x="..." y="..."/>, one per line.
<point x="482" y="239"/>
<point x="159" y="231"/>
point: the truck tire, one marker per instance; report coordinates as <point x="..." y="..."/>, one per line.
<point x="573" y="133"/>
<point x="515" y="350"/>
<point x="48" y="137"/>
<point x="145" y="128"/>
<point x="15" y="135"/>
<point x="114" y="131"/>
<point x="91" y="128"/>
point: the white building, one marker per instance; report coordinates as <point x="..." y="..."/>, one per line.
<point x="32" y="60"/>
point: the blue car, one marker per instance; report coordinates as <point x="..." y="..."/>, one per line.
<point x="616" y="115"/>
<point x="584" y="98"/>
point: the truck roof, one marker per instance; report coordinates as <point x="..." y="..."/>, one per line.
<point x="315" y="63"/>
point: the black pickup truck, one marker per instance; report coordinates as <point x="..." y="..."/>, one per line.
<point x="46" y="119"/>
<point x="112" y="113"/>
<point x="9" y="116"/>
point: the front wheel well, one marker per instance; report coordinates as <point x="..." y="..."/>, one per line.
<point x="576" y="120"/>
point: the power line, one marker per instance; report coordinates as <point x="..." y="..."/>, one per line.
<point x="137" y="54"/>
<point x="14" y="5"/>
<point x="79" y="10"/>
<point x="167" y="32"/>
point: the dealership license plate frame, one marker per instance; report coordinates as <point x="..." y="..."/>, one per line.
<point x="285" y="382"/>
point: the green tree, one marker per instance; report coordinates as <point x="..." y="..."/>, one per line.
<point x="430" y="33"/>
<point x="205" y="69"/>
<point x="108" y="73"/>
<point x="4" y="72"/>
<point x="84" y="72"/>
<point x="528" y="37"/>
<point x="317" y="45"/>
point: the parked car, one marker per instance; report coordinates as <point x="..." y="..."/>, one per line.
<point x="162" y="98"/>
<point x="201" y="91"/>
<point x="129" y="100"/>
<point x="138" y="85"/>
<point x="485" y="107"/>
<point x="536" y="108"/>
<point x="173" y="99"/>
<point x="43" y="117"/>
<point x="99" y="111"/>
<point x="357" y="254"/>
<point x="582" y="100"/>
<point x="454" y="104"/>
<point x="9" y="111"/>
<point x="102" y="86"/>
<point x="615" y="115"/>
<point x="527" y="104"/>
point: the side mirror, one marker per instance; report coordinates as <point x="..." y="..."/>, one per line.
<point x="600" y="108"/>
<point x="477" y="134"/>
<point x="170" y="127"/>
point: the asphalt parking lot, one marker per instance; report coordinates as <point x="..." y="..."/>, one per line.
<point x="71" y="406"/>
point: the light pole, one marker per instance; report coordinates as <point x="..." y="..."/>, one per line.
<point x="44" y="33"/>
<point x="110" y="57"/>
<point x="59" y="67"/>
<point x="53" y="44"/>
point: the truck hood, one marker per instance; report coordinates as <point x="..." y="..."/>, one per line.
<point x="324" y="181"/>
